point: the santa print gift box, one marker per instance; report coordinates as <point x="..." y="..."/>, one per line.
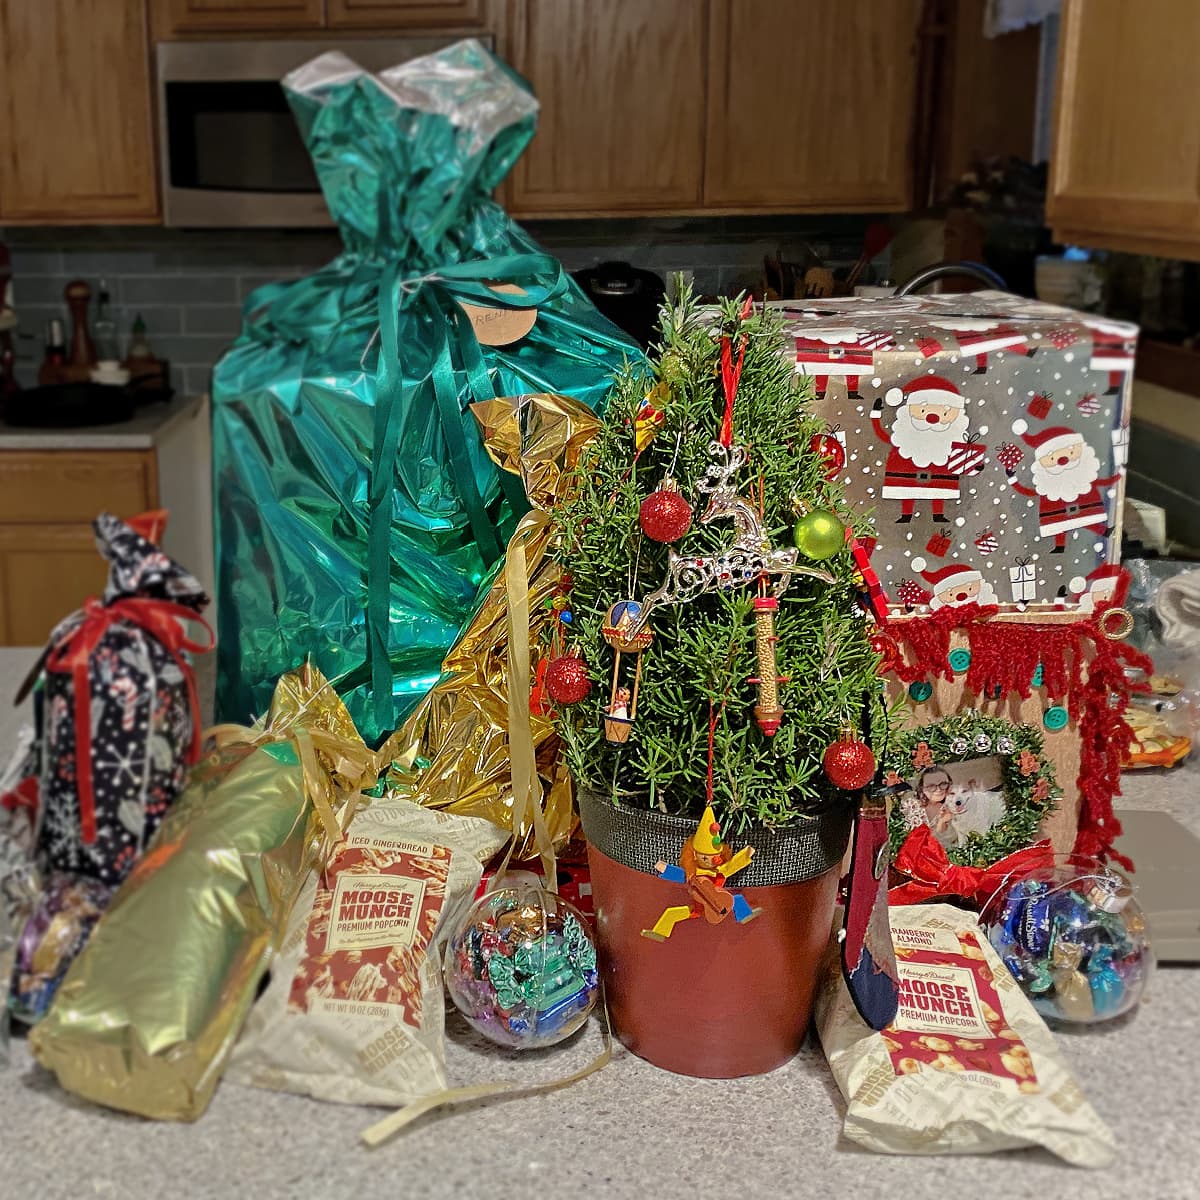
<point x="986" y="437"/>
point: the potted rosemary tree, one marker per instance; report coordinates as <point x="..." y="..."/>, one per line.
<point x="712" y="671"/>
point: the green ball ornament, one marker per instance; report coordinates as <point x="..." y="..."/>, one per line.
<point x="819" y="535"/>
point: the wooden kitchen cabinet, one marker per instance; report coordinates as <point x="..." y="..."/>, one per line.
<point x="48" y="559"/>
<point x="404" y="14"/>
<point x="76" y="138"/>
<point x="220" y="16"/>
<point x="175" y="17"/>
<point x="715" y="106"/>
<point x="1125" y="166"/>
<point x="810" y="106"/>
<point x="621" y="87"/>
<point x="46" y="573"/>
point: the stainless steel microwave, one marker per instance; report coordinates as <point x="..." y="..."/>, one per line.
<point x="230" y="151"/>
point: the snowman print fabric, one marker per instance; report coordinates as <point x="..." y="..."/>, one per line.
<point x="985" y="435"/>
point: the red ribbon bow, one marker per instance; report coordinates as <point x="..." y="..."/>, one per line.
<point x="161" y="620"/>
<point x="931" y="873"/>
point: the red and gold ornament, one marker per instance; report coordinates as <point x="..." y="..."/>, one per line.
<point x="665" y="516"/>
<point x="849" y="762"/>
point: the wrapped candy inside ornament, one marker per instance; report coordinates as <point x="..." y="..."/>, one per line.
<point x="1074" y="938"/>
<point x="521" y="967"/>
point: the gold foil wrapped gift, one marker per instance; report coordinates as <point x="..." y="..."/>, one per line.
<point x="458" y="736"/>
<point x="149" y="1011"/>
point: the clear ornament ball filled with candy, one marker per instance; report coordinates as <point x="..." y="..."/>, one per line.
<point x="1075" y="939"/>
<point x="521" y="967"/>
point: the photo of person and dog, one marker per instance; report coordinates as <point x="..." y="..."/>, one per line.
<point x="957" y="799"/>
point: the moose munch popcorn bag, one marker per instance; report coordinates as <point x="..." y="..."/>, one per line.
<point x="967" y="1066"/>
<point x="354" y="1010"/>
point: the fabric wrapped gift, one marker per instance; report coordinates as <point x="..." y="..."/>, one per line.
<point x="358" y="513"/>
<point x="120" y="720"/>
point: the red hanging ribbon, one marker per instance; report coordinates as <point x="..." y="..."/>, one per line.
<point x="161" y="620"/>
<point x="731" y="373"/>
<point x="875" y="598"/>
<point x="931" y="873"/>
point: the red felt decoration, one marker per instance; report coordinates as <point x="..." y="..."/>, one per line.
<point x="567" y="680"/>
<point x="537" y="694"/>
<point x="849" y="763"/>
<point x="1079" y="665"/>
<point x="665" y="516"/>
<point x="830" y="451"/>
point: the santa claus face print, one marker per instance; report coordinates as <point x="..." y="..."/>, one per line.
<point x="1060" y="459"/>
<point x="1066" y="474"/>
<point x="930" y="416"/>
<point x="964" y="593"/>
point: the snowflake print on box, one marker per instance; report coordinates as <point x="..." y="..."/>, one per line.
<point x="956" y="428"/>
<point x="119" y="714"/>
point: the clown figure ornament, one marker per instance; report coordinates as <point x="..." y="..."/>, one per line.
<point x="706" y="863"/>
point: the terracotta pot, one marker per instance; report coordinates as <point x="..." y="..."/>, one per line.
<point x="716" y="1001"/>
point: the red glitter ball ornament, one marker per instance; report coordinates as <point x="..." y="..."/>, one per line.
<point x="567" y="679"/>
<point x="827" y="447"/>
<point x="849" y="763"/>
<point x="665" y="516"/>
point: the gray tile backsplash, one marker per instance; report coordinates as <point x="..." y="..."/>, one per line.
<point x="189" y="285"/>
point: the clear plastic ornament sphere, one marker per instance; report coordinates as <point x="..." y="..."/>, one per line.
<point x="1075" y="939"/>
<point x="521" y="967"/>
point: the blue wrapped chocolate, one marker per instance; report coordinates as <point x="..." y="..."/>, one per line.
<point x="1074" y="939"/>
<point x="358" y="515"/>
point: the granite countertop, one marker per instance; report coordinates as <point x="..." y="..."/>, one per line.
<point x="147" y="428"/>
<point x="629" y="1131"/>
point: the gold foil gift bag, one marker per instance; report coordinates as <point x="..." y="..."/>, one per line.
<point x="458" y="736"/>
<point x="148" y="1013"/>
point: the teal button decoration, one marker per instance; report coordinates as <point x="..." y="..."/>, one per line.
<point x="921" y="691"/>
<point x="1038" y="676"/>
<point x="1055" y="718"/>
<point x="960" y="660"/>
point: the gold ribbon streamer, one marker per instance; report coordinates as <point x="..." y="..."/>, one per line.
<point x="350" y="760"/>
<point x="526" y="786"/>
<point x="526" y="809"/>
<point x="381" y="1131"/>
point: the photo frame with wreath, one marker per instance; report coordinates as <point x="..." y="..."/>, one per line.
<point x="983" y="784"/>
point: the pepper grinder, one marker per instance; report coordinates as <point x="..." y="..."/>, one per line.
<point x="82" y="356"/>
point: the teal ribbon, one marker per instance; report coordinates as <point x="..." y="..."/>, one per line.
<point x="438" y="293"/>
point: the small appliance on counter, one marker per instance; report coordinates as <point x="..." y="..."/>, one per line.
<point x="628" y="297"/>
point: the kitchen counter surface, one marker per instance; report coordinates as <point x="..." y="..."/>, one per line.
<point x="147" y="428"/>
<point x="629" y="1131"/>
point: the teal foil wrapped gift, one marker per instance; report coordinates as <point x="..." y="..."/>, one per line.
<point x="357" y="513"/>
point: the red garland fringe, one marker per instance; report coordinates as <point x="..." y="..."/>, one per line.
<point x="1079" y="664"/>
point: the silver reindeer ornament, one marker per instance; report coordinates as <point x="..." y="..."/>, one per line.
<point x="750" y="559"/>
